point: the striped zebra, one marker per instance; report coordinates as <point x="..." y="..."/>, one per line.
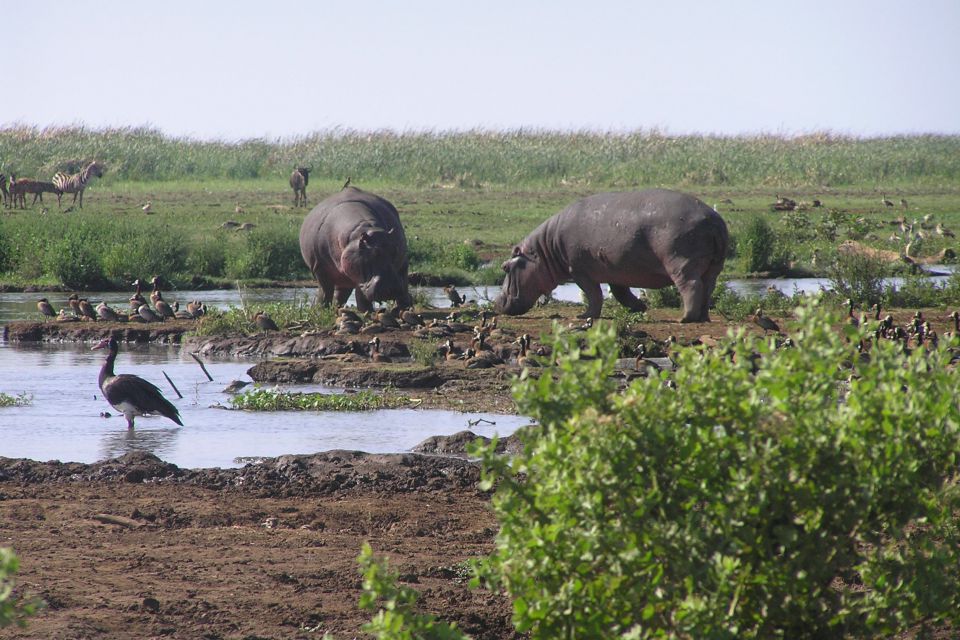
<point x="77" y="182"/>
<point x="298" y="181"/>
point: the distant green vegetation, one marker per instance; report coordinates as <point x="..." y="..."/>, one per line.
<point x="520" y="157"/>
<point x="464" y="198"/>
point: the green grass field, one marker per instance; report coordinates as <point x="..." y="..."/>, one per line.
<point x="464" y="198"/>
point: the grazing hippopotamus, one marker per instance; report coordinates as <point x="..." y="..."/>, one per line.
<point x="650" y="239"/>
<point x="354" y="239"/>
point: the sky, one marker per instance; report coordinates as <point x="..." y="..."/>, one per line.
<point x="234" y="70"/>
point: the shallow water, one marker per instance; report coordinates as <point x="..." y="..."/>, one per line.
<point x="23" y="306"/>
<point x="63" y="421"/>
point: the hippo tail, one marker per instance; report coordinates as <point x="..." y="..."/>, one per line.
<point x="721" y="240"/>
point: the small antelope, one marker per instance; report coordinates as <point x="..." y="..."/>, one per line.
<point x="298" y="182"/>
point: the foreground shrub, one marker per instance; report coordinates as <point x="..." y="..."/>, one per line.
<point x="13" y="610"/>
<point x="396" y="617"/>
<point x="763" y="497"/>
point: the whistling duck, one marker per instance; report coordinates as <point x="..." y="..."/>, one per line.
<point x="387" y="320"/>
<point x="155" y="294"/>
<point x="885" y="202"/>
<point x="46" y="309"/>
<point x="137" y="299"/>
<point x="349" y="315"/>
<point x="641" y="361"/>
<point x="450" y="350"/>
<point x="264" y="322"/>
<point x="375" y="354"/>
<point x="106" y="313"/>
<point x="454" y="296"/>
<point x="148" y="315"/>
<point x="523" y="359"/>
<point x="851" y="319"/>
<point x="410" y="318"/>
<point x="764" y="322"/>
<point x="129" y="394"/>
<point x="74" y="301"/>
<point x="86" y="309"/>
<point x="164" y="310"/>
<point x="196" y="308"/>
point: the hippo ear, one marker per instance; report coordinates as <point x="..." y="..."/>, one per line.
<point x="364" y="239"/>
<point x="517" y="251"/>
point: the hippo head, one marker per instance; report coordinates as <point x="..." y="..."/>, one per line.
<point x="526" y="280"/>
<point x="371" y="260"/>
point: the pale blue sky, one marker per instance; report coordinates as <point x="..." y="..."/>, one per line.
<point x="246" y="69"/>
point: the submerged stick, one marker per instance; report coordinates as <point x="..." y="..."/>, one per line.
<point x="200" y="362"/>
<point x="179" y="395"/>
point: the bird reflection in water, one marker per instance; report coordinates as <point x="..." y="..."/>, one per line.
<point x="159" y="442"/>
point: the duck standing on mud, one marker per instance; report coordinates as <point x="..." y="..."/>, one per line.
<point x="129" y="394"/>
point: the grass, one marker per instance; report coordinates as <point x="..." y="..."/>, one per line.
<point x="464" y="198"/>
<point x="274" y="400"/>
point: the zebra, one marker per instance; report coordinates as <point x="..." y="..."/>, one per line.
<point x="298" y="181"/>
<point x="77" y="182"/>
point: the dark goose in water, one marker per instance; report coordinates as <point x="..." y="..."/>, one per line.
<point x="129" y="394"/>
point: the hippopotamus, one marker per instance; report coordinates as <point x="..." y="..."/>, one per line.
<point x="650" y="239"/>
<point x="354" y="240"/>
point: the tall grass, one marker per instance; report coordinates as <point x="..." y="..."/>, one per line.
<point x="518" y="157"/>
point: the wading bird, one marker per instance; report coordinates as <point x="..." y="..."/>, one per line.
<point x="129" y="394"/>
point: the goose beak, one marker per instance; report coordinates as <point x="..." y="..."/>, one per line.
<point x="103" y="344"/>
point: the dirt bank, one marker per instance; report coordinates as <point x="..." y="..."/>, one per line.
<point x="135" y="547"/>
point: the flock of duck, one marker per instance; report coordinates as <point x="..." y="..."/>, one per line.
<point x="139" y="311"/>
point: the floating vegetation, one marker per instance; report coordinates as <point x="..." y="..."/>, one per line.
<point x="19" y="400"/>
<point x="276" y="400"/>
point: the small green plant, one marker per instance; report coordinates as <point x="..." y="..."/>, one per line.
<point x="299" y="316"/>
<point x="798" y="493"/>
<point x="665" y="298"/>
<point x="276" y="400"/>
<point x="20" y="400"/>
<point x="858" y="276"/>
<point x="423" y="352"/>
<point x="759" y="247"/>
<point x="13" y="609"/>
<point x="395" y="616"/>
<point x="267" y="253"/>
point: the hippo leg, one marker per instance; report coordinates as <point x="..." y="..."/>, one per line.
<point x="363" y="303"/>
<point x="625" y="297"/>
<point x="324" y="295"/>
<point x="693" y="293"/>
<point x="341" y="294"/>
<point x="709" y="283"/>
<point x="593" y="293"/>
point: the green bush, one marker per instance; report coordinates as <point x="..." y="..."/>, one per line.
<point x="134" y="255"/>
<point x="432" y="255"/>
<point x="75" y="261"/>
<point x="208" y="258"/>
<point x="858" y="276"/>
<point x="13" y="610"/>
<point x="268" y="253"/>
<point x="760" y="248"/>
<point x="781" y="501"/>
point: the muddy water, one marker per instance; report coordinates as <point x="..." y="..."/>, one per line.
<point x="63" y="421"/>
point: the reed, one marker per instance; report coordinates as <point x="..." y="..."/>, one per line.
<point x="469" y="159"/>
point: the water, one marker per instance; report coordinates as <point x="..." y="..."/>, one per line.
<point x="63" y="420"/>
<point x="23" y="306"/>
